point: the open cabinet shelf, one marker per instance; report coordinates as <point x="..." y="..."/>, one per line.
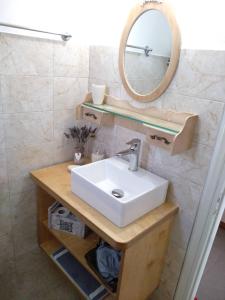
<point x="168" y="129"/>
<point x="50" y="246"/>
<point x="53" y="245"/>
<point x="78" y="247"/>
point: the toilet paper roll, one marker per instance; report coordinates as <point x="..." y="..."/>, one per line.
<point x="62" y="211"/>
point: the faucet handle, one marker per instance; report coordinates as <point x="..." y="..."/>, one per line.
<point x="134" y="142"/>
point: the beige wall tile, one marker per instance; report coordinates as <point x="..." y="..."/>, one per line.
<point x="63" y="119"/>
<point x="71" y="60"/>
<point x="27" y="142"/>
<point x="4" y="189"/>
<point x="21" y="183"/>
<point x="25" y="56"/>
<point x="69" y="92"/>
<point x="187" y="195"/>
<point x="2" y="133"/>
<point x="23" y="210"/>
<point x="201" y="74"/>
<point x="5" y="213"/>
<point x="23" y="205"/>
<point x="104" y="63"/>
<point x="123" y="135"/>
<point x="1" y="105"/>
<point x="26" y="94"/>
<point x="26" y="129"/>
<point x="63" y="152"/>
<point x="21" y="160"/>
<point x="209" y="112"/>
<point x="24" y="234"/>
<point x="191" y="165"/>
<point x="104" y="141"/>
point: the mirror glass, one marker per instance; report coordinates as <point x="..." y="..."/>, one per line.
<point x="147" y="52"/>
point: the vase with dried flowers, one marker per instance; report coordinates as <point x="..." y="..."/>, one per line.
<point x="80" y="135"/>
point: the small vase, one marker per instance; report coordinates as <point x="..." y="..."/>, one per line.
<point x="79" y="158"/>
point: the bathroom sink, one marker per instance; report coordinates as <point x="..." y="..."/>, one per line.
<point x="119" y="194"/>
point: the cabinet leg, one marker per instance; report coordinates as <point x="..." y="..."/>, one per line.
<point x="142" y="264"/>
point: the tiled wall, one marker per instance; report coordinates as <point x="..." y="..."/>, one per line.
<point x="41" y="82"/>
<point x="198" y="87"/>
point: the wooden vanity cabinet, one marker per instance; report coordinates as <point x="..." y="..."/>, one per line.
<point x="143" y="243"/>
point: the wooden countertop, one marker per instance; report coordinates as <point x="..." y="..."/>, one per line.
<point x="55" y="181"/>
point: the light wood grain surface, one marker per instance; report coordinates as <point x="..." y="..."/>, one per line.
<point x="55" y="181"/>
<point x="143" y="262"/>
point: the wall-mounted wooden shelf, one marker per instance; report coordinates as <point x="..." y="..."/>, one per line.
<point x="168" y="129"/>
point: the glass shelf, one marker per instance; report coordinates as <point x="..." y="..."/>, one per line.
<point x="152" y="122"/>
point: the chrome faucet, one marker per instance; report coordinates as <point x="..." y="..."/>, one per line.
<point x="133" y="153"/>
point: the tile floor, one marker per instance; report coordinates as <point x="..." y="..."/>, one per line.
<point x="212" y="285"/>
<point x="34" y="277"/>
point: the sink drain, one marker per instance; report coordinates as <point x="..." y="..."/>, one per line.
<point x="117" y="193"/>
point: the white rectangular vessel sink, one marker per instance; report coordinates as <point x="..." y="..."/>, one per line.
<point x="139" y="191"/>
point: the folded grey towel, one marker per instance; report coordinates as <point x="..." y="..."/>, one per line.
<point x="108" y="261"/>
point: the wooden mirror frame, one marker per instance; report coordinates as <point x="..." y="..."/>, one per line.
<point x="135" y="13"/>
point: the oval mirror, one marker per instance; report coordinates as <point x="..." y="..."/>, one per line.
<point x="149" y="51"/>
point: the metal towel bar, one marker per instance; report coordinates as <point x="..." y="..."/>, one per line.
<point x="146" y="48"/>
<point x="64" y="36"/>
